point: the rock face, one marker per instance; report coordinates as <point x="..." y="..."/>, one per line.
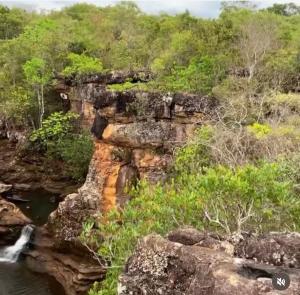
<point x="194" y="263"/>
<point x="74" y="270"/>
<point x="32" y="171"/>
<point x="135" y="132"/>
<point x="11" y="221"/>
<point x="8" y="130"/>
<point x="4" y="187"/>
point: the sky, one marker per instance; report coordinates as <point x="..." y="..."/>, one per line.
<point x="202" y="8"/>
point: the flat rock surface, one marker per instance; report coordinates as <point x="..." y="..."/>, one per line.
<point x="197" y="263"/>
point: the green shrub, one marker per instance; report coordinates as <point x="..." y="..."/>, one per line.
<point x="17" y="104"/>
<point x="249" y="198"/>
<point x="76" y="151"/>
<point x="81" y="64"/>
<point x="127" y="86"/>
<point x="196" y="153"/>
<point x="58" y="138"/>
<point x="259" y="130"/>
<point x="56" y="126"/>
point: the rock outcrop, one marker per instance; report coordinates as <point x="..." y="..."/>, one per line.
<point x="73" y="268"/>
<point x="194" y="263"/>
<point x="11" y="222"/>
<point x="31" y="171"/>
<point x="9" y="130"/>
<point x="135" y="132"/>
<point x="4" y="187"/>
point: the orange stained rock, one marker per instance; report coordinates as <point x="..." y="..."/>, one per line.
<point x="108" y="131"/>
<point x="146" y="158"/>
<point x="108" y="169"/>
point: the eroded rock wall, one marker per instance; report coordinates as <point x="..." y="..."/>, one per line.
<point x="135" y="133"/>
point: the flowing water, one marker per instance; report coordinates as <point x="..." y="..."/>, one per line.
<point x="16" y="279"/>
<point x="12" y="253"/>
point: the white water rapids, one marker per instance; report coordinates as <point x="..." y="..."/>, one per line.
<point x="12" y="253"/>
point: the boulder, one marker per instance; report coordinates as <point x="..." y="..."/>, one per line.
<point x="11" y="222"/>
<point x="196" y="263"/>
<point x="73" y="267"/>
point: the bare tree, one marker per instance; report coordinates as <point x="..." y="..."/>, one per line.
<point x="257" y="39"/>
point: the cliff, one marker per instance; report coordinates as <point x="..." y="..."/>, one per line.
<point x="135" y="134"/>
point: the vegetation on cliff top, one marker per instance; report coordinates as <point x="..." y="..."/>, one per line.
<point x="186" y="53"/>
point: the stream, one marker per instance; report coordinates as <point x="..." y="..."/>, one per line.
<point x="15" y="277"/>
<point x="39" y="206"/>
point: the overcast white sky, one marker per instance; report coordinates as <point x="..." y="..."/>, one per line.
<point x="201" y="8"/>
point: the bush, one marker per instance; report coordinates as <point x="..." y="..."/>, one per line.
<point x="17" y="104"/>
<point x="81" y="64"/>
<point x="56" y="126"/>
<point x="128" y="86"/>
<point x="196" y="154"/>
<point x="76" y="151"/>
<point x="249" y="198"/>
<point x="59" y="139"/>
<point x="259" y="130"/>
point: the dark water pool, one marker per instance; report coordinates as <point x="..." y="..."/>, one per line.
<point x="16" y="279"/>
<point x="41" y="204"/>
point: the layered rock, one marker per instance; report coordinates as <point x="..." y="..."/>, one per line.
<point x="11" y="221"/>
<point x="135" y="132"/>
<point x="72" y="267"/>
<point x="4" y="187"/>
<point x="31" y="171"/>
<point x="194" y="263"/>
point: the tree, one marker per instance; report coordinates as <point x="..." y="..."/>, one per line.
<point x="38" y="75"/>
<point x="12" y="22"/>
<point x="286" y="9"/>
<point x="257" y="39"/>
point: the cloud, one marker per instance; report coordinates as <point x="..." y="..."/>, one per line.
<point x="195" y="7"/>
<point x="202" y="8"/>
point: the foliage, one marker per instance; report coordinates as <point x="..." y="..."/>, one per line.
<point x="76" y="151"/>
<point x="259" y="130"/>
<point x="36" y="71"/>
<point x="55" y="127"/>
<point x="127" y="86"/>
<point x="59" y="139"/>
<point x="196" y="153"/>
<point x="81" y="64"/>
<point x="185" y="52"/>
<point x="201" y="75"/>
<point x="286" y="9"/>
<point x="222" y="179"/>
<point x="12" y="22"/>
<point x="249" y="198"/>
<point x="19" y="106"/>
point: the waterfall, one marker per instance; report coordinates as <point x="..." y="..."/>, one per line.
<point x="12" y="253"/>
